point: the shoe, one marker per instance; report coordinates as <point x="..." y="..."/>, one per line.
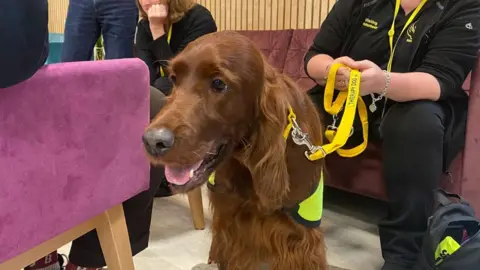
<point x="204" y="266"/>
<point x="71" y="266"/>
<point x="61" y="259"/>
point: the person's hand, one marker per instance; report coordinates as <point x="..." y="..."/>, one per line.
<point x="373" y="77"/>
<point x="342" y="77"/>
<point x="157" y="15"/>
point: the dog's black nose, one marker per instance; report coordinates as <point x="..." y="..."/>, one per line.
<point x="158" y="141"/>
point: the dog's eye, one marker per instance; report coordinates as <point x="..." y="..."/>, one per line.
<point x="219" y="86"/>
<point x="173" y="79"/>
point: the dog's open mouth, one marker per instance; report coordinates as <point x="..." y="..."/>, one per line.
<point x="197" y="173"/>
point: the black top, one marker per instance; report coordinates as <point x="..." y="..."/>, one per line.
<point x="197" y="22"/>
<point x="443" y="39"/>
<point x="23" y="39"/>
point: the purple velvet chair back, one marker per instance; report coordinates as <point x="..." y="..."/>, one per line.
<point x="70" y="148"/>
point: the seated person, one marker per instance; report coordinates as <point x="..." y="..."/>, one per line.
<point x="165" y="29"/>
<point x="412" y="83"/>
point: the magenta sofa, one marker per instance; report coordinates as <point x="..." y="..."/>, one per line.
<point x="70" y="148"/>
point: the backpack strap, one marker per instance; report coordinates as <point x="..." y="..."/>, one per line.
<point x="443" y="198"/>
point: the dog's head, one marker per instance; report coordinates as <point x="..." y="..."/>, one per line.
<point x="223" y="99"/>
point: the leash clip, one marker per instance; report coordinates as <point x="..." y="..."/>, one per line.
<point x="301" y="138"/>
<point x="333" y="125"/>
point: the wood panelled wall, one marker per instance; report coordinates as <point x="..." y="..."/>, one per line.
<point x="57" y="12"/>
<point x="238" y="14"/>
<point x="268" y="14"/>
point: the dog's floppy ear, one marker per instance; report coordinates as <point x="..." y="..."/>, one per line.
<point x="266" y="154"/>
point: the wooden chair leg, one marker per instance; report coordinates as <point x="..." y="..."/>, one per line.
<point x="196" y="207"/>
<point x="113" y="236"/>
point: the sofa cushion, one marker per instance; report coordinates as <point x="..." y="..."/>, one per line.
<point x="301" y="41"/>
<point x="273" y="44"/>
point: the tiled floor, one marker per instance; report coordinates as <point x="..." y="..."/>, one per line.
<point x="349" y="224"/>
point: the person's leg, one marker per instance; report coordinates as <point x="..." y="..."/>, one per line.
<point x="86" y="250"/>
<point x="413" y="141"/>
<point x="81" y="31"/>
<point x="157" y="100"/>
<point x="118" y="19"/>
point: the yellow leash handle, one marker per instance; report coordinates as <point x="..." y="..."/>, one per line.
<point x="348" y="101"/>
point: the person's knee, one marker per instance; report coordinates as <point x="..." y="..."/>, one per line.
<point x="157" y="101"/>
<point x="416" y="121"/>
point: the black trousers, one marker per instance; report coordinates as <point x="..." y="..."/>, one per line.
<point x="412" y="136"/>
<point x="86" y="250"/>
<point x="413" y="139"/>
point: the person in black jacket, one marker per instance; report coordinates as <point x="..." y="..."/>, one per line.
<point x="165" y="29"/>
<point x="414" y="56"/>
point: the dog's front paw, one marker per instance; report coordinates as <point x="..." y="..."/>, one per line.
<point x="204" y="266"/>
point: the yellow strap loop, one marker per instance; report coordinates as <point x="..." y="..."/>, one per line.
<point x="348" y="101"/>
<point x="169" y="37"/>
<point x="291" y="117"/>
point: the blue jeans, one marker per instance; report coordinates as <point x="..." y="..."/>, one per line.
<point x="116" y="20"/>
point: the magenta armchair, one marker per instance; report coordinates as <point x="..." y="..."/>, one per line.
<point x="70" y="142"/>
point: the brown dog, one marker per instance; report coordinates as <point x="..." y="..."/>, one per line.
<point x="227" y="113"/>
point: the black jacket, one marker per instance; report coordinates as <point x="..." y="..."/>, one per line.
<point x="444" y="45"/>
<point x="197" y="22"/>
<point x="23" y="39"/>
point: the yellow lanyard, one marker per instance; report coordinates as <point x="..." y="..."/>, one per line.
<point x="169" y="37"/>
<point x="391" y="32"/>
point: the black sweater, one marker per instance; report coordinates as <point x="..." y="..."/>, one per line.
<point x="197" y="22"/>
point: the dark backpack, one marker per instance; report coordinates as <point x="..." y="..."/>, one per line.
<point x="452" y="241"/>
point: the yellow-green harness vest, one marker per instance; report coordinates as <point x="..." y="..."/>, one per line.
<point x="307" y="212"/>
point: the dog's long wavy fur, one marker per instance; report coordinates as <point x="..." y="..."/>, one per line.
<point x="262" y="173"/>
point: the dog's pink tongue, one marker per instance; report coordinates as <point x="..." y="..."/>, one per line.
<point x="180" y="176"/>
